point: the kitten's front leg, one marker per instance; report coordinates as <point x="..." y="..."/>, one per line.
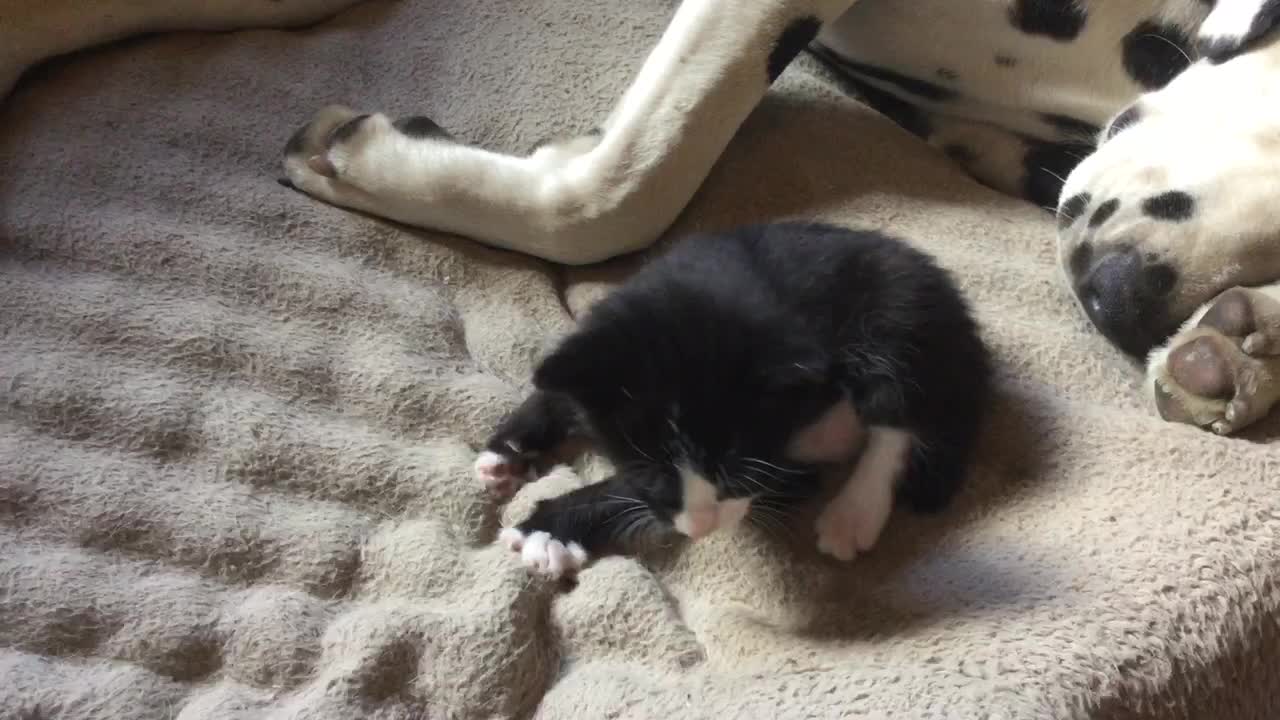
<point x="541" y="428"/>
<point x="564" y="533"/>
<point x="851" y="522"/>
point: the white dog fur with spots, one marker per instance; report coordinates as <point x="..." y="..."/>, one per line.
<point x="1152" y="127"/>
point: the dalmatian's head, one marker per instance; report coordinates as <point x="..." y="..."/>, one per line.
<point x="1181" y="199"/>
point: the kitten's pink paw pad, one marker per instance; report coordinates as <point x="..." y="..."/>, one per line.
<point x="543" y="554"/>
<point x="500" y="475"/>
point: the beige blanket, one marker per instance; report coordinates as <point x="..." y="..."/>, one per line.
<point x="236" y="426"/>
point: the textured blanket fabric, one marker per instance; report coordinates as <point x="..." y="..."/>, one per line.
<point x="236" y="426"/>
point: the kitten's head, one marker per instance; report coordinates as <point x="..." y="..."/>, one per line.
<point x="703" y="404"/>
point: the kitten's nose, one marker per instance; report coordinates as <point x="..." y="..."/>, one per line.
<point x="697" y="524"/>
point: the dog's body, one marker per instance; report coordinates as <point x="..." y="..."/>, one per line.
<point x="1153" y="126"/>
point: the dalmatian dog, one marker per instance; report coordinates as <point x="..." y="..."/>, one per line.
<point x="1150" y="127"/>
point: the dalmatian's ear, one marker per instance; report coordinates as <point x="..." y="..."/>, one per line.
<point x="1233" y="26"/>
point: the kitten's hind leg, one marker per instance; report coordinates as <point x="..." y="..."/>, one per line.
<point x="564" y="533"/>
<point x="542" y="428"/>
<point x="853" y="519"/>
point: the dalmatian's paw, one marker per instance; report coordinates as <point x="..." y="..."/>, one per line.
<point x="1222" y="370"/>
<point x="352" y="159"/>
<point x="543" y="554"/>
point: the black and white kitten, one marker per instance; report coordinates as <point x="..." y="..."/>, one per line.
<point x="733" y="368"/>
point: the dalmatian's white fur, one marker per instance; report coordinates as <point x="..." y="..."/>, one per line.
<point x="1152" y="126"/>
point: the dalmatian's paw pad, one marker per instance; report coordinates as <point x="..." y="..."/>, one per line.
<point x="1224" y="373"/>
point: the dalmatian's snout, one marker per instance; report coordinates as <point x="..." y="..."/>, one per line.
<point x="1125" y="296"/>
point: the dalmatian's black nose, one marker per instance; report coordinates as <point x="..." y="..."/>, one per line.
<point x="1126" y="297"/>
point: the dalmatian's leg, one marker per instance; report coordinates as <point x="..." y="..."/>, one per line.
<point x="589" y="198"/>
<point x="36" y="31"/>
<point x="1006" y="161"/>
<point x="1222" y="370"/>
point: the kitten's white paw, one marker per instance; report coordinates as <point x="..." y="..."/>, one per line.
<point x="845" y="531"/>
<point x="500" y="475"/>
<point x="835" y="536"/>
<point x="543" y="554"/>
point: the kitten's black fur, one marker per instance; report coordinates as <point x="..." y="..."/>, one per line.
<point x="718" y="352"/>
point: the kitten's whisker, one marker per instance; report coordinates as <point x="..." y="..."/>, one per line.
<point x="627" y="500"/>
<point x="610" y="500"/>
<point x="755" y="482"/>
<point x="758" y="461"/>
<point x="639" y="522"/>
<point x="633" y="445"/>
<point x="618" y="517"/>
<point x="772" y="525"/>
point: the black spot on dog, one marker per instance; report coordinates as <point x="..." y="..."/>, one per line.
<point x="421" y="127"/>
<point x="1222" y="49"/>
<point x="1154" y="54"/>
<point x="1265" y="21"/>
<point x="286" y="182"/>
<point x="914" y="86"/>
<point x="1006" y="61"/>
<point x="904" y="114"/>
<point x="1073" y="208"/>
<point x="1159" y="279"/>
<point x="1174" y="206"/>
<point x="1104" y="212"/>
<point x="346" y="130"/>
<point x="793" y="40"/>
<point x="961" y="154"/>
<point x="1046" y="167"/>
<point x="296" y="141"/>
<point x="1071" y="128"/>
<point x="1080" y="259"/>
<point x="1219" y="49"/>
<point x="1130" y="116"/>
<point x="1060" y="20"/>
